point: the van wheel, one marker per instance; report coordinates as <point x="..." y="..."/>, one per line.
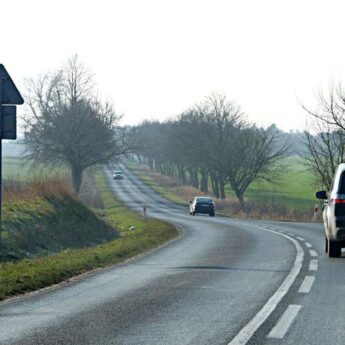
<point x="326" y="244"/>
<point x="334" y="249"/>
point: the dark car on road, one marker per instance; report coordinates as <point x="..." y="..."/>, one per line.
<point x="118" y="175"/>
<point x="202" y="204"/>
<point x="334" y="214"/>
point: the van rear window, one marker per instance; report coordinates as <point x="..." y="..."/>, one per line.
<point x="341" y="187"/>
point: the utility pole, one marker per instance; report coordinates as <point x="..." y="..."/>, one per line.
<point x="9" y="97"/>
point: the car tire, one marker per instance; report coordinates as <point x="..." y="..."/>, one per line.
<point x="212" y="214"/>
<point x="326" y="244"/>
<point x="193" y="213"/>
<point x="334" y="249"/>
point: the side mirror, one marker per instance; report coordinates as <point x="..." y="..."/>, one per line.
<point x="191" y="202"/>
<point x="321" y="195"/>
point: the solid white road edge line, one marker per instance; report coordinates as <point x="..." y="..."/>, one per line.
<point x="306" y="284"/>
<point x="313" y="265"/>
<point x="284" y="323"/>
<point x="308" y="244"/>
<point x="312" y="252"/>
<point x="301" y="238"/>
<point x="251" y="327"/>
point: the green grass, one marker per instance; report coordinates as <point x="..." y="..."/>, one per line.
<point x="15" y="167"/>
<point x="295" y="188"/>
<point x="21" y="169"/>
<point x="32" y="274"/>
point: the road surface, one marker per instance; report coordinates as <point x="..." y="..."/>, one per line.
<point x="223" y="281"/>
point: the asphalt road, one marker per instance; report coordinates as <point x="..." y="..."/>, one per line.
<point x="224" y="281"/>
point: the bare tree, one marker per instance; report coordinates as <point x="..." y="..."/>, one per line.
<point x="330" y="106"/>
<point x="68" y="125"/>
<point x="254" y="155"/>
<point x="326" y="150"/>
<point x="325" y="137"/>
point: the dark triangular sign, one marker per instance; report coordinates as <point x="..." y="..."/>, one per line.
<point x="10" y="93"/>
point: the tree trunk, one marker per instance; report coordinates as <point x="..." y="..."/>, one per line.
<point x="239" y="196"/>
<point x="77" y="174"/>
<point x="204" y="181"/>
<point x="150" y="161"/>
<point x="195" y="178"/>
<point x="222" y="191"/>
<point x="181" y="174"/>
<point x="215" y="185"/>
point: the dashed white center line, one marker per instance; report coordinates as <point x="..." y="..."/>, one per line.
<point x="313" y="265"/>
<point x="283" y="324"/>
<point x="308" y="244"/>
<point x="312" y="252"/>
<point x="301" y="238"/>
<point x="306" y="284"/>
<point x="252" y="326"/>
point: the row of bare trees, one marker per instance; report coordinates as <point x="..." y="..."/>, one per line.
<point x="213" y="144"/>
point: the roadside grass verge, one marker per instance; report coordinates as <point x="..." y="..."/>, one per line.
<point x="32" y="274"/>
<point x="293" y="200"/>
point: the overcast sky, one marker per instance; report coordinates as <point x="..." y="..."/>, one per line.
<point x="153" y="59"/>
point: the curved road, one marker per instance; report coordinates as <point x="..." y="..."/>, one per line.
<point x="224" y="281"/>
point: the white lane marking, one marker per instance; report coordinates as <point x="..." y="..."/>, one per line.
<point x="283" y="324"/>
<point x="313" y="265"/>
<point x="306" y="284"/>
<point x="251" y="327"/>
<point x="308" y="244"/>
<point x="290" y="234"/>
<point x="301" y="238"/>
<point x="312" y="252"/>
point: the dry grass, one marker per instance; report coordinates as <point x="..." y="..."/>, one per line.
<point x="37" y="186"/>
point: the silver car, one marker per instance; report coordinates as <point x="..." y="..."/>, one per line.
<point x="334" y="214"/>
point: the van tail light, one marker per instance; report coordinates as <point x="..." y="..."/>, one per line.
<point x="338" y="201"/>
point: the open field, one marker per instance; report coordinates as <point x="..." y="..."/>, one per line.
<point x="20" y="169"/>
<point x="295" y="188"/>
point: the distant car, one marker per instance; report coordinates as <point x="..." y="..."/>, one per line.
<point x="202" y="204"/>
<point x="118" y="175"/>
<point x="333" y="211"/>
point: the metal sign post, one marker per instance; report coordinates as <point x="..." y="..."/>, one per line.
<point x="1" y="82"/>
<point x="9" y="96"/>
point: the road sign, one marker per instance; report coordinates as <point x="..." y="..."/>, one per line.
<point x="9" y="122"/>
<point x="10" y="93"/>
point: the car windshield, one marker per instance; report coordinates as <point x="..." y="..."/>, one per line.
<point x="118" y="172"/>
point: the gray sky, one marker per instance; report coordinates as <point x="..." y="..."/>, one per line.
<point x="154" y="58"/>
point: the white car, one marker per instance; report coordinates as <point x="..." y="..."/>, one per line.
<point x="118" y="175"/>
<point x="334" y="214"/>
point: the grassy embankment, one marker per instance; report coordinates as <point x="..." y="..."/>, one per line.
<point x="292" y="198"/>
<point x="43" y="212"/>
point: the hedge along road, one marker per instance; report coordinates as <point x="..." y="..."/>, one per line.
<point x="222" y="282"/>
